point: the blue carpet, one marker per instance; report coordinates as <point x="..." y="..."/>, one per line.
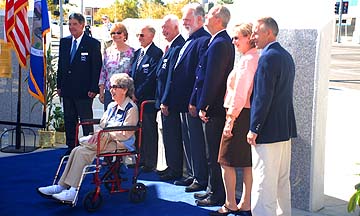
<point x="20" y="175"/>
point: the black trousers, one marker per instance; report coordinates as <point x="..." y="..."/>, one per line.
<point x="212" y="131"/>
<point x="75" y="109"/>
<point x="149" y="145"/>
<point x="172" y="139"/>
<point x="194" y="148"/>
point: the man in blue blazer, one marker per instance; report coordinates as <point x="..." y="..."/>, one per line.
<point x="272" y="123"/>
<point x="78" y="74"/>
<point x="177" y="95"/>
<point x="170" y="119"/>
<point x="143" y="72"/>
<point x="208" y="97"/>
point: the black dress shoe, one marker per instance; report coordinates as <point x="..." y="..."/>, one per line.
<point x="210" y="201"/>
<point x="201" y="196"/>
<point x="169" y="176"/>
<point x="195" y="187"/>
<point x="184" y="182"/>
<point x="228" y="211"/>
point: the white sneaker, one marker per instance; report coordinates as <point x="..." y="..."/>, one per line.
<point x="50" y="190"/>
<point x="65" y="195"/>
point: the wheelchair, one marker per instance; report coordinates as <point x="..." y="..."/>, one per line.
<point x="112" y="162"/>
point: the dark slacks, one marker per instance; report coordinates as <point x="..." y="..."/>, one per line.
<point x="173" y="141"/>
<point x="75" y="109"/>
<point x="149" y="145"/>
<point x="107" y="99"/>
<point x="194" y="147"/>
<point x="213" y="130"/>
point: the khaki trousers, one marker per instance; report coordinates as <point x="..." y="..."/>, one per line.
<point x="271" y="195"/>
<point x="80" y="157"/>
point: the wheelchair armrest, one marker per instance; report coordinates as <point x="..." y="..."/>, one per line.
<point x="89" y="121"/>
<point x="121" y="128"/>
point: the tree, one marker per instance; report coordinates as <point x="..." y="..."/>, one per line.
<point x="152" y="9"/>
<point x="175" y="7"/>
<point x="2" y="4"/>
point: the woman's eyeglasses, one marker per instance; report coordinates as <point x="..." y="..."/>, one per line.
<point x="141" y="35"/>
<point x="117" y="33"/>
<point x="115" y="86"/>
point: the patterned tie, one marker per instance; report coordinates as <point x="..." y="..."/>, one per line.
<point x="166" y="49"/>
<point x="141" y="56"/>
<point x="73" y="51"/>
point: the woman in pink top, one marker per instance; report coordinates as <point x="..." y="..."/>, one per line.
<point x="117" y="58"/>
<point x="234" y="149"/>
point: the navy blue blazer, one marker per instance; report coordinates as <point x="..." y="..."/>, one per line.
<point x="272" y="111"/>
<point x="145" y="75"/>
<point x="181" y="78"/>
<point x="168" y="61"/>
<point x="211" y="75"/>
<point x="77" y="78"/>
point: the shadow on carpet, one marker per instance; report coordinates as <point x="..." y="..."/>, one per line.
<point x="22" y="174"/>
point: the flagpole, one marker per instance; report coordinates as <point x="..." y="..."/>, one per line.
<point x="18" y="120"/>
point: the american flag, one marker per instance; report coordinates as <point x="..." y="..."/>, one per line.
<point x="17" y="28"/>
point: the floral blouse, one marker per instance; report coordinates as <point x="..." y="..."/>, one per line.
<point x="115" y="61"/>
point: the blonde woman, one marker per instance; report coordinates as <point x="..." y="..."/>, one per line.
<point x="234" y="149"/>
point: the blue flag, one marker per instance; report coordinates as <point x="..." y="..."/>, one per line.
<point x="37" y="75"/>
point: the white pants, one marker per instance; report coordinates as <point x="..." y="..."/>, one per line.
<point x="271" y="194"/>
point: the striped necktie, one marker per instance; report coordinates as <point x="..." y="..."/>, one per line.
<point x="73" y="51"/>
<point x="141" y="56"/>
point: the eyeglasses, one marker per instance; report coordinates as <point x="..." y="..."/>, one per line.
<point x="235" y="38"/>
<point x="117" y="33"/>
<point x="115" y="86"/>
<point x="141" y="35"/>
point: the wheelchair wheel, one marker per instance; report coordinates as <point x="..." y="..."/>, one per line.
<point x="89" y="202"/>
<point x="137" y="193"/>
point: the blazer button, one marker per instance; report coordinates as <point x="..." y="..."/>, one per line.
<point x="69" y="72"/>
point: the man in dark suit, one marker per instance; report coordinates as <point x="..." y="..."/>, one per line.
<point x="208" y="97"/>
<point x="143" y="72"/>
<point x="272" y="123"/>
<point x="170" y="119"/>
<point x="177" y="94"/>
<point x="78" y="76"/>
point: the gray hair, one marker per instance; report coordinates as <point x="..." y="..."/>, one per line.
<point x="78" y="16"/>
<point x="172" y="18"/>
<point x="270" y="23"/>
<point x="224" y="14"/>
<point x="197" y="9"/>
<point x="124" y="81"/>
<point x="150" y="28"/>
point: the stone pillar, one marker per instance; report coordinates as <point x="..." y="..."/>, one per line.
<point x="306" y="32"/>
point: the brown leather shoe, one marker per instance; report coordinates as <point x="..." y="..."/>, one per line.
<point x="210" y="201"/>
<point x="201" y="196"/>
<point x="195" y="187"/>
<point x="184" y="182"/>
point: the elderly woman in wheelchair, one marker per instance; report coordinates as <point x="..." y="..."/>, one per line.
<point x="122" y="112"/>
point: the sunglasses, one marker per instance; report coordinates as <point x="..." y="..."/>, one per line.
<point x="115" y="86"/>
<point x="141" y="35"/>
<point x="117" y="33"/>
